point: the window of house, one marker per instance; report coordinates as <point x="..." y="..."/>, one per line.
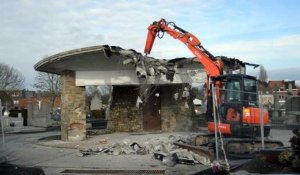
<point x="16" y="102"/>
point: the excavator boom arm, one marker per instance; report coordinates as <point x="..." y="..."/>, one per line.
<point x="212" y="66"/>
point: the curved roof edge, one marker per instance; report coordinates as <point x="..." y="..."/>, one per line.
<point x="69" y="59"/>
<point x="63" y="55"/>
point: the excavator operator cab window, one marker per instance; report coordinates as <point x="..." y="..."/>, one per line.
<point x="233" y="91"/>
<point x="230" y="107"/>
<point x="250" y="92"/>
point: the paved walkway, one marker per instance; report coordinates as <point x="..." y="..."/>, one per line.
<point x="55" y="156"/>
<point x="23" y="130"/>
<point x="45" y="150"/>
<point x="109" y="138"/>
<point x="17" y="126"/>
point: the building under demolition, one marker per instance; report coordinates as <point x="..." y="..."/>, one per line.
<point x="148" y="94"/>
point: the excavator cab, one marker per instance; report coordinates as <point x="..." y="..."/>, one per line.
<point x="238" y="89"/>
<point x="238" y="107"/>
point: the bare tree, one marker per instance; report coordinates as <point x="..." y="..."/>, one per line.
<point x="263" y="76"/>
<point x="10" y="78"/>
<point x="104" y="92"/>
<point x="48" y="83"/>
<point x="10" y="81"/>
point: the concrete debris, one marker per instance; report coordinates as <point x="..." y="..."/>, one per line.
<point x="201" y="159"/>
<point x="176" y="95"/>
<point x="185" y="93"/>
<point x="162" y="69"/>
<point x="186" y="105"/>
<point x="139" y="102"/>
<point x="147" y="66"/>
<point x="127" y="61"/>
<point x="162" y="148"/>
<point x="103" y="141"/>
<point x="140" y="72"/>
<point x="170" y="160"/>
<point x="151" y="71"/>
<point x="127" y="52"/>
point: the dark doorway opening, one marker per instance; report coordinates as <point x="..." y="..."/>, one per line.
<point x="151" y="110"/>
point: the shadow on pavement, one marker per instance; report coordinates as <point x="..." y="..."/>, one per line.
<point x="6" y="168"/>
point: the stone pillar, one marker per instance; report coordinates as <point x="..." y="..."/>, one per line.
<point x="73" y="114"/>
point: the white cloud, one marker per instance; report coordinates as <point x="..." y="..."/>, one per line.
<point x="261" y="50"/>
<point x="31" y="29"/>
<point x="291" y="73"/>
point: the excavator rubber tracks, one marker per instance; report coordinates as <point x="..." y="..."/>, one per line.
<point x="235" y="148"/>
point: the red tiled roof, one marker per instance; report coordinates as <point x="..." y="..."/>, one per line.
<point x="279" y="83"/>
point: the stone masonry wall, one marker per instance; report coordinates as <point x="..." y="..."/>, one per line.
<point x="125" y="116"/>
<point x="175" y="115"/>
<point x="126" y="119"/>
<point x="168" y="118"/>
<point x="73" y="114"/>
<point x="176" y="118"/>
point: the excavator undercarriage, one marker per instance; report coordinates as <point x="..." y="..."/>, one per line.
<point x="235" y="148"/>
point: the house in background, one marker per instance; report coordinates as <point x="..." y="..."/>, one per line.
<point x="34" y="110"/>
<point x="281" y="91"/>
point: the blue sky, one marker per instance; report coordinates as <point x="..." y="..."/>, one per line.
<point x="263" y="32"/>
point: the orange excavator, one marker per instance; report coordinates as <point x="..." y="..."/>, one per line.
<point x="233" y="97"/>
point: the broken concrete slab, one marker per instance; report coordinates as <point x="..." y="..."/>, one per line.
<point x="114" y="65"/>
<point x="162" y="148"/>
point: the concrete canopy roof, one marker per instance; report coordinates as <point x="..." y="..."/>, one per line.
<point x="88" y="58"/>
<point x="102" y="57"/>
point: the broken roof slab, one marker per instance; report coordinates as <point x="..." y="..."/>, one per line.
<point x="112" y="65"/>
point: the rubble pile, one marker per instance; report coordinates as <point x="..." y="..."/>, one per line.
<point x="161" y="148"/>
